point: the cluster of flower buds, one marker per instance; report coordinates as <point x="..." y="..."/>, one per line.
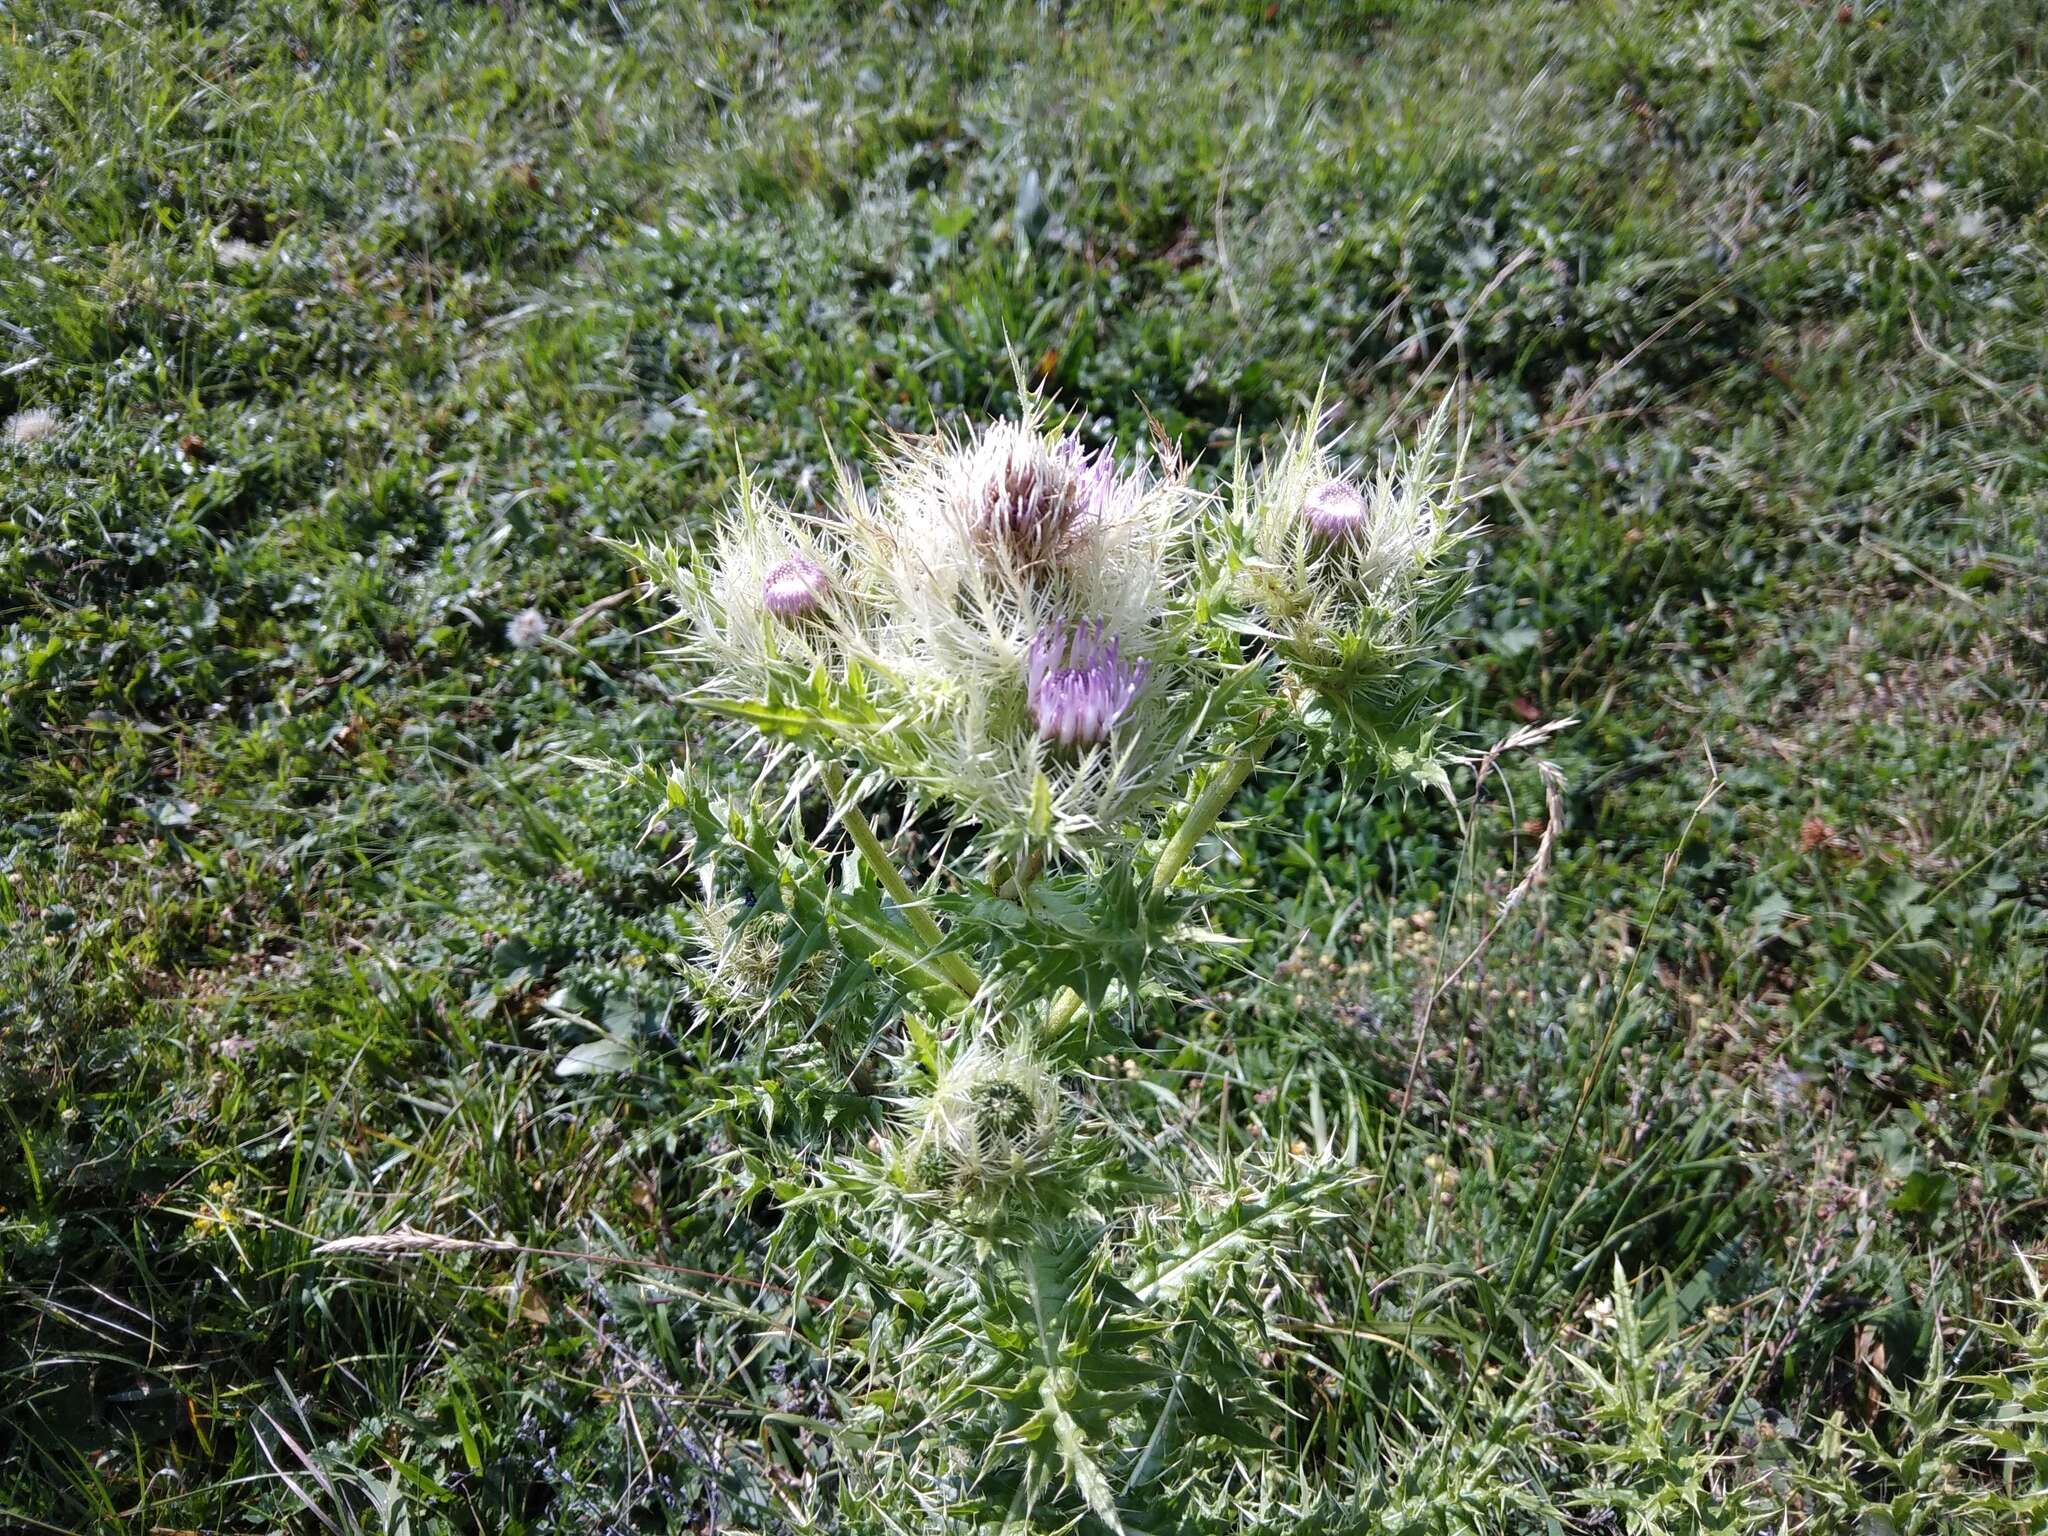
<point x="996" y="625"/>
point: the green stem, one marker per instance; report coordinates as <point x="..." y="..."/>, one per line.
<point x="1209" y="805"/>
<point x="953" y="965"/>
<point x="1215" y="797"/>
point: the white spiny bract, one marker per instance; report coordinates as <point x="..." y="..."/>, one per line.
<point x="737" y="975"/>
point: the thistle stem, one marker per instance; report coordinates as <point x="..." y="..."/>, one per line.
<point x="952" y="965"/>
<point x="1209" y="805"/>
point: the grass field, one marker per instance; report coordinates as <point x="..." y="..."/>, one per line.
<point x="335" y="336"/>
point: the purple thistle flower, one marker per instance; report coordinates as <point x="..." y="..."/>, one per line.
<point x="1094" y="482"/>
<point x="1079" y="684"/>
<point x="1336" y="511"/>
<point x="795" y="589"/>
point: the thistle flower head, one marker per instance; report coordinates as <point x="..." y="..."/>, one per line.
<point x="1080" y="683"/>
<point x="1350" y="578"/>
<point x="989" y="1123"/>
<point x="1326" y="546"/>
<point x="1037" y="505"/>
<point x="1335" y="511"/>
<point x="1017" y="518"/>
<point x="976" y="556"/>
<point x="767" y="604"/>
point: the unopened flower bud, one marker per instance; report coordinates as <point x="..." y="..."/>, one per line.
<point x="1004" y="1114"/>
<point x="1336" y="511"/>
<point x="795" y="589"/>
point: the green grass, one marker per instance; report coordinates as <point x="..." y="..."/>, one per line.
<point x="367" y="325"/>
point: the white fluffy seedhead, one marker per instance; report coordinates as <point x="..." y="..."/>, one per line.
<point x="27" y="428"/>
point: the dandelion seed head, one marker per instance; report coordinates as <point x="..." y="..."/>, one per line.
<point x="1785" y="1085"/>
<point x="32" y="426"/>
<point x="526" y="629"/>
<point x="234" y="252"/>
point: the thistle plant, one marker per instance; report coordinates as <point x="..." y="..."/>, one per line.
<point x="1057" y="664"/>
